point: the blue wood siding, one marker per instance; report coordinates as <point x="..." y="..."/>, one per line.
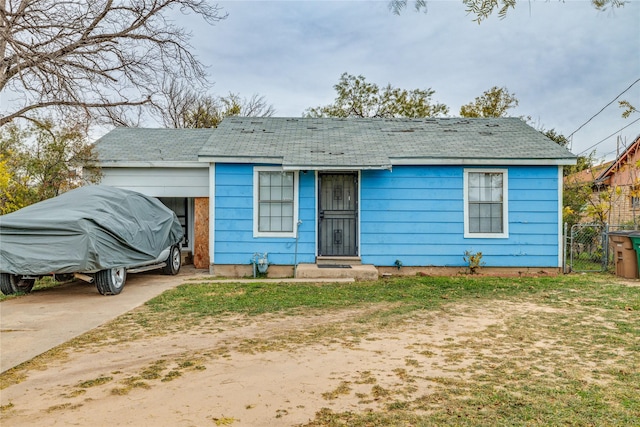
<point x="415" y="215"/>
<point x="234" y="241"/>
<point x="412" y="213"/>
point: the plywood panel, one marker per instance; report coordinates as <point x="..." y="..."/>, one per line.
<point x="201" y="233"/>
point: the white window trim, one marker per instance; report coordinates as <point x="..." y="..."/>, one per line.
<point x="256" y="186"/>
<point x="505" y="205"/>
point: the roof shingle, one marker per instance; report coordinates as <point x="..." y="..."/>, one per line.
<point x="309" y="143"/>
<point x="376" y="143"/>
<point x="151" y="145"/>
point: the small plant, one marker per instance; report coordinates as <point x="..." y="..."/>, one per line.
<point x="474" y="260"/>
<point x="398" y="264"/>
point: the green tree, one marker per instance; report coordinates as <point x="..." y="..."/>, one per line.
<point x="12" y="196"/>
<point x="577" y="195"/>
<point x="578" y="192"/>
<point x="42" y="161"/>
<point x="494" y="102"/>
<point x="628" y="108"/>
<point x="558" y="138"/>
<point x="358" y="98"/>
<point x="482" y="9"/>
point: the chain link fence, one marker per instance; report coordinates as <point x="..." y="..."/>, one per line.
<point x="588" y="248"/>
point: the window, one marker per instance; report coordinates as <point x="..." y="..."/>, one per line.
<point x="485" y="203"/>
<point x="635" y="202"/>
<point x="275" y="203"/>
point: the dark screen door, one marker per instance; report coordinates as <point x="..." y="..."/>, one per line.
<point x="338" y="207"/>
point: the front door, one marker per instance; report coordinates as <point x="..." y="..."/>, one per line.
<point x="337" y="214"/>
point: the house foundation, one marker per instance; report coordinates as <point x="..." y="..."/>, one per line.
<point x="371" y="272"/>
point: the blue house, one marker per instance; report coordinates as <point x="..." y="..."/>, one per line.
<point x="411" y="193"/>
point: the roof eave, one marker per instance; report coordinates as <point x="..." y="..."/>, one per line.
<point x="240" y="159"/>
<point x="414" y="161"/>
<point x="150" y="164"/>
<point x="335" y="167"/>
<point x="393" y="161"/>
<point x="619" y="160"/>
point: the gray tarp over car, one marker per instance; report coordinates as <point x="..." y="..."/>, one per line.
<point x="87" y="229"/>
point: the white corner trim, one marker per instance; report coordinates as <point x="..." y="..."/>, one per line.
<point x="315" y="212"/>
<point x="560" y="224"/>
<point x="505" y="204"/>
<point x="212" y="213"/>
<point x="358" y="225"/>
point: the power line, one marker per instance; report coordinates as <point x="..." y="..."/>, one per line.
<point x="602" y="109"/>
<point x="613" y="134"/>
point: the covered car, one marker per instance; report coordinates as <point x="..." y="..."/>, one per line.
<point x="95" y="233"/>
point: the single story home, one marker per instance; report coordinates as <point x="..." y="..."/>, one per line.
<point x="402" y="195"/>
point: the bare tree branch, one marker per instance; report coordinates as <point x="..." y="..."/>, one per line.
<point x="95" y="56"/>
<point x="181" y="107"/>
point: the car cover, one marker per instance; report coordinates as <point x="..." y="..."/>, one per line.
<point x="85" y="230"/>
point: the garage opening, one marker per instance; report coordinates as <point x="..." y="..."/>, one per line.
<point x="182" y="206"/>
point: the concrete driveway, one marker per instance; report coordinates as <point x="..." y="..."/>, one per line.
<point x="33" y="324"/>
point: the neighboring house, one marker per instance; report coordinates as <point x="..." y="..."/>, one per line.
<point x="586" y="176"/>
<point x="386" y="192"/>
<point x="583" y="202"/>
<point x="615" y="187"/>
<point x="622" y="179"/>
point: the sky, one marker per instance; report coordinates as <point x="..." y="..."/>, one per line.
<point x="563" y="61"/>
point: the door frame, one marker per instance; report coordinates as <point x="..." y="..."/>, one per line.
<point x="358" y="175"/>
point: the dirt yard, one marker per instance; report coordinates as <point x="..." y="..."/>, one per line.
<point x="279" y="370"/>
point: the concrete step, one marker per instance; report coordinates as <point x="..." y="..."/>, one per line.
<point x="339" y="260"/>
<point x="357" y="272"/>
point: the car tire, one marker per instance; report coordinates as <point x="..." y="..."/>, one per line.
<point x="12" y="284"/>
<point x="111" y="281"/>
<point x="173" y="262"/>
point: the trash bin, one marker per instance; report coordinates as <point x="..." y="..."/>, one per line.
<point x="635" y="239"/>
<point x="625" y="253"/>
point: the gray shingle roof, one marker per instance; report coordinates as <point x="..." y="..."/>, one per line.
<point x="311" y="143"/>
<point x="379" y="143"/>
<point x="151" y="145"/>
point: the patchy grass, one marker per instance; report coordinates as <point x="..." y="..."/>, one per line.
<point x="95" y="382"/>
<point x="211" y="303"/>
<point x="573" y="358"/>
<point x="575" y="361"/>
<point x="206" y="299"/>
<point x="343" y="388"/>
<point x="587" y="373"/>
<point x="207" y="303"/>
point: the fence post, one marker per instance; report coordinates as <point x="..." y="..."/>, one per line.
<point x="605" y="247"/>
<point x="564" y="249"/>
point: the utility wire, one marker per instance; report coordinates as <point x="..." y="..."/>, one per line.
<point x="604" y="139"/>
<point x="602" y="109"/>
